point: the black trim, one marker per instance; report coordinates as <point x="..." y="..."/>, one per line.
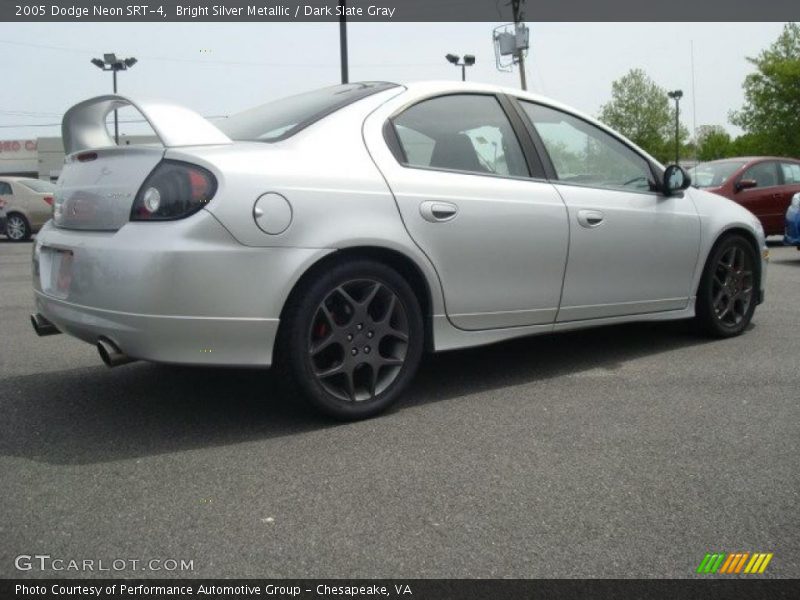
<point x="541" y="151"/>
<point x="393" y="141"/>
<point x="536" y="167"/>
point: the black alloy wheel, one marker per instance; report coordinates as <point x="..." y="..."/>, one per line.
<point x="726" y="298"/>
<point x="354" y="340"/>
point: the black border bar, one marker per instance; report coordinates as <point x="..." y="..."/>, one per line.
<point x="734" y="588"/>
<point x="396" y="10"/>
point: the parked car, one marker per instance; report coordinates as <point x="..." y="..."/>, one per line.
<point x="763" y="185"/>
<point x="3" y="218"/>
<point x="339" y="233"/>
<point x="792" y="235"/>
<point x="28" y="205"/>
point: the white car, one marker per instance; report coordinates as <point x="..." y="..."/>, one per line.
<point x="339" y="233"/>
<point x="28" y="205"/>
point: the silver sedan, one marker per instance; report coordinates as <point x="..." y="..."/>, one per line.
<point x="340" y="233"/>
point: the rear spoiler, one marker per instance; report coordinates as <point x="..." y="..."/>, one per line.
<point x="84" y="125"/>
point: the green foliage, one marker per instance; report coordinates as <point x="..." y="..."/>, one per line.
<point x="640" y="110"/>
<point x="771" y="113"/>
<point x="713" y="142"/>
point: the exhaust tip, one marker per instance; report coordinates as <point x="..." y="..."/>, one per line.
<point x="42" y="326"/>
<point x="110" y="354"/>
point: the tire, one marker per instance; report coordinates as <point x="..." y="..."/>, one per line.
<point x="351" y="339"/>
<point x="17" y="228"/>
<point x="727" y="294"/>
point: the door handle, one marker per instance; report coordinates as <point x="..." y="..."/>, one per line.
<point x="590" y="218"/>
<point x="438" y="212"/>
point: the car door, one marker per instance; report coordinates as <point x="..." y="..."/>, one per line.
<point x="632" y="250"/>
<point x="6" y="196"/>
<point x="790" y="184"/>
<point x="763" y="199"/>
<point x="480" y="208"/>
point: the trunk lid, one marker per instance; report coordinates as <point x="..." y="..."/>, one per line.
<point x="97" y="193"/>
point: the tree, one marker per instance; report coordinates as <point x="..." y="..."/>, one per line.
<point x="640" y="110"/>
<point x="771" y="114"/>
<point x="713" y="142"/>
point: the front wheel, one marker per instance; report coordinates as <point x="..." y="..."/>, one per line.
<point x="352" y="338"/>
<point x="726" y="297"/>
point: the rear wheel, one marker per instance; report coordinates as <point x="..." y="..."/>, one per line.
<point x="17" y="228"/>
<point x="726" y="298"/>
<point x="352" y="339"/>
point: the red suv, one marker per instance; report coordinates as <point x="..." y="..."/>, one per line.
<point x="763" y="185"/>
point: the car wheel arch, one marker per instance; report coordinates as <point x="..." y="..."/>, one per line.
<point x="406" y="266"/>
<point x="747" y="235"/>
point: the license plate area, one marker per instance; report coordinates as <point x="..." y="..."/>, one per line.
<point x="55" y="271"/>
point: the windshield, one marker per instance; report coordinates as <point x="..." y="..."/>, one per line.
<point x="714" y="174"/>
<point x="39" y="185"/>
<point x="282" y="118"/>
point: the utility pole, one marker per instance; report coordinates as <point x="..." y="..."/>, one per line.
<point x="343" y="41"/>
<point x="517" y="8"/>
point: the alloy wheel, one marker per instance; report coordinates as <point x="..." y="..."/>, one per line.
<point x="16" y="228"/>
<point x="358" y="340"/>
<point x="732" y="286"/>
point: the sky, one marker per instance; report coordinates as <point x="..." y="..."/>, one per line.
<point x="220" y="68"/>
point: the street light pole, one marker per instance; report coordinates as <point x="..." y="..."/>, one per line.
<point x="116" y="116"/>
<point x="110" y="62"/>
<point x="456" y="61"/>
<point x="343" y="41"/>
<point x="677" y="95"/>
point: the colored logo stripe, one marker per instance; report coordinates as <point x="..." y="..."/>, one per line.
<point x="734" y="563"/>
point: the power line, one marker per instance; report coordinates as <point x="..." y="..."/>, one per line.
<point x="220" y="62"/>
<point x="5" y="126"/>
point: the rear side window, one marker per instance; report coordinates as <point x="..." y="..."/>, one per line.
<point x="460" y="132"/>
<point x="39" y="185"/>
<point x="765" y="174"/>
<point x="791" y="173"/>
<point x="5" y="188"/>
<point x="283" y="118"/>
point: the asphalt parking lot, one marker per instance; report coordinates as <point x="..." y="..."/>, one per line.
<point x="619" y="452"/>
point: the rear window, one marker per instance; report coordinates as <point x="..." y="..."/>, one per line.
<point x="39" y="185"/>
<point x="283" y="118"/>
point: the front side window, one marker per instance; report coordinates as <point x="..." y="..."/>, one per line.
<point x="586" y="155"/>
<point x="765" y="174"/>
<point x="791" y="173"/>
<point x="461" y="132"/>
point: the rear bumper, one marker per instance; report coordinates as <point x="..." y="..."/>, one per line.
<point x="181" y="292"/>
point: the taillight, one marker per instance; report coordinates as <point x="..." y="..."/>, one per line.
<point x="173" y="190"/>
<point x="48" y="199"/>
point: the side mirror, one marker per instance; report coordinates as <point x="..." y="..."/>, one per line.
<point x="746" y="184"/>
<point x="676" y="179"/>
